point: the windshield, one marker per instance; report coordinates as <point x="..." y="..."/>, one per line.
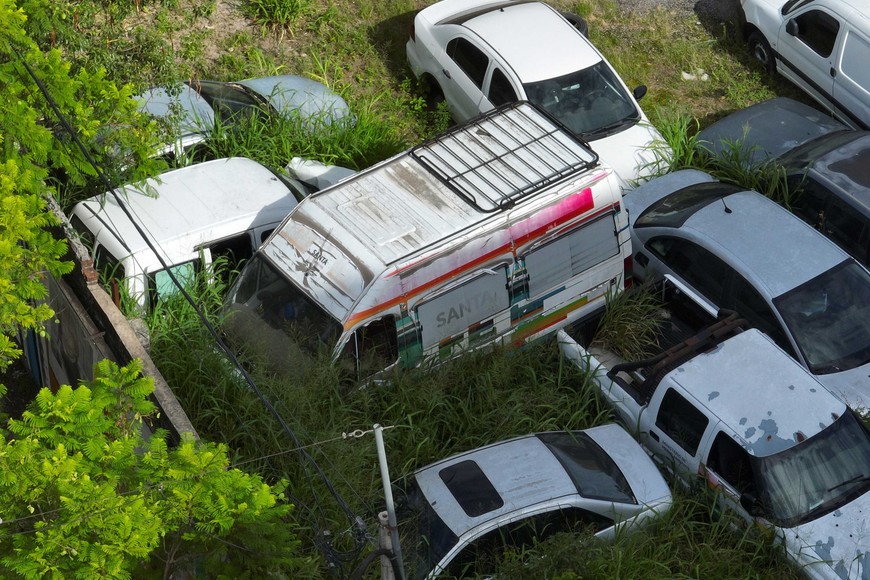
<point x="590" y="102"/>
<point x="267" y="316"/>
<point x="817" y="476"/>
<point x="424" y="531"/>
<point x="829" y="317"/>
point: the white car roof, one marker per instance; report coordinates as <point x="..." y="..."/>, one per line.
<point x="537" y="42"/>
<point x="524" y="473"/>
<point x="193" y="205"/>
<point x="767" y="398"/>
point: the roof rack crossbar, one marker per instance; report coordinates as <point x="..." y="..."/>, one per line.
<point x="497" y="159"/>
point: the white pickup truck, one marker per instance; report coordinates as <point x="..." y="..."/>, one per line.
<point x="729" y="408"/>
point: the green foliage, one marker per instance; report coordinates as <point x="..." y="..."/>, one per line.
<point x="631" y="321"/>
<point x="275" y="14"/>
<point x="84" y="494"/>
<point x="274" y="140"/>
<point x="688" y="542"/>
<point x="31" y="153"/>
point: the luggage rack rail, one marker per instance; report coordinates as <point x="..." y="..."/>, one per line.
<point x="499" y="158"/>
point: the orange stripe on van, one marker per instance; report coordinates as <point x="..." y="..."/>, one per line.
<point x="557" y="215"/>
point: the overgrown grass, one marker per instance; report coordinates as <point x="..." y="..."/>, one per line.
<point x="631" y="321"/>
<point x="691" y="541"/>
<point x="273" y="140"/>
<point x="733" y="164"/>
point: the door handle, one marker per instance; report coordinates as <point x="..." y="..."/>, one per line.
<point x="833" y="72"/>
<point x="447" y="72"/>
<point x="654" y="435"/>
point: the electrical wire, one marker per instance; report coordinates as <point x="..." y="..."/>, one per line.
<point x="354" y="519"/>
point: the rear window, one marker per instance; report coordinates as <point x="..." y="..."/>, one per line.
<point x="594" y="473"/>
<point x="673" y="210"/>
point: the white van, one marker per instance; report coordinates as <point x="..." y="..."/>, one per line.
<point x="822" y="46"/>
<point x="225" y="207"/>
<point x="502" y="230"/>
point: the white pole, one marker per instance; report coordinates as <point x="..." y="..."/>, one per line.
<point x="388" y="496"/>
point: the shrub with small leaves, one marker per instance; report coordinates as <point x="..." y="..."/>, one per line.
<point x="84" y="494"/>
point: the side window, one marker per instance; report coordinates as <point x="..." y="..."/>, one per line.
<point x="500" y="89"/>
<point x="847" y="229"/>
<point x="84" y="233"/>
<point x="731" y="462"/>
<point x="234" y="249"/>
<point x="681" y="421"/>
<point x="160" y="285"/>
<point x="480" y="557"/>
<point x="570" y="255"/>
<point x="111" y="272"/>
<point x="376" y="344"/>
<point x="697" y="266"/>
<point x="469" y="58"/>
<point x="818" y="30"/>
<point x="811" y="200"/>
<point x="453" y="312"/>
<point x="750" y="305"/>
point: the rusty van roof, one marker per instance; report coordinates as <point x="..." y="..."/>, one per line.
<point x="353" y="231"/>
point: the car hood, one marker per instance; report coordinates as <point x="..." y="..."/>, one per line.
<point x="314" y="100"/>
<point x="652" y="191"/>
<point x="841" y="539"/>
<point x="768" y="129"/>
<point x="853" y="385"/>
<point x="636" y="153"/>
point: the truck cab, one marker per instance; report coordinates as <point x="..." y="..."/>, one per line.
<point x="728" y="409"/>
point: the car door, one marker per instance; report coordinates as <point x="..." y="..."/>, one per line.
<point x="697" y="267"/>
<point x="744" y="299"/>
<point x="498" y="88"/>
<point x="806" y="42"/>
<point x="673" y="429"/>
<point x="465" y="70"/>
<point x="852" y="80"/>
<point x="728" y="469"/>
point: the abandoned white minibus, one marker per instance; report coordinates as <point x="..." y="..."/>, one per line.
<point x="503" y="229"/>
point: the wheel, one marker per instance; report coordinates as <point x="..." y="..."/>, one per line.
<point x="432" y="91"/>
<point x="760" y="50"/>
<point x="577" y="22"/>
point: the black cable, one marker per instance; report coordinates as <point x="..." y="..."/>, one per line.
<point x="364" y="565"/>
<point x="216" y="336"/>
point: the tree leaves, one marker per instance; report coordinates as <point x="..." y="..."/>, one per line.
<point x="78" y="480"/>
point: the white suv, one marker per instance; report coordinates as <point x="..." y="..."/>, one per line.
<point x="483" y="53"/>
<point x="822" y="46"/>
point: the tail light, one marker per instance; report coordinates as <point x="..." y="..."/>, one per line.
<point x="627" y="266"/>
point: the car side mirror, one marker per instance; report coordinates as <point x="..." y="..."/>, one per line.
<point x="792" y="27"/>
<point x="639" y="91"/>
<point x="749" y="502"/>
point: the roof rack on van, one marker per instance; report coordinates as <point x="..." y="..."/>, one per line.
<point x="496" y="159"/>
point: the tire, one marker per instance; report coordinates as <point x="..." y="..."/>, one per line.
<point x="760" y="50"/>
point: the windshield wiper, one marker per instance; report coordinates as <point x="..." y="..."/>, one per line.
<point x="607" y="129"/>
<point x="860" y="478"/>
